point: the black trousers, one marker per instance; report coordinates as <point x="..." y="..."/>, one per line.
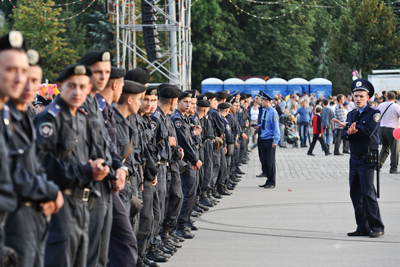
<point x="175" y="198"/>
<point x="269" y="160"/>
<point x="188" y="180"/>
<point x="389" y="145"/>
<point x="321" y="141"/>
<point x="338" y="140"/>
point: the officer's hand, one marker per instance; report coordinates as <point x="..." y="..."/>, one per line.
<point x="199" y="164"/>
<point x="154" y="183"/>
<point x="48" y="208"/>
<point x="255" y="127"/>
<point x="183" y="153"/>
<point x="245" y="137"/>
<point x="342" y="124"/>
<point x="247" y="124"/>
<point x="319" y="135"/>
<point x="172" y="141"/>
<point x="225" y="150"/>
<point x="236" y="145"/>
<point x="59" y="201"/>
<point x="352" y="129"/>
<point x="197" y="131"/>
<point x="274" y="145"/>
<point x="99" y="171"/>
<point x="119" y="183"/>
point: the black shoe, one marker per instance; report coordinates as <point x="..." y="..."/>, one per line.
<point x="270" y="186"/>
<point x="237" y="175"/>
<point x="244" y="162"/>
<point x="183" y="232"/>
<point x="140" y="263"/>
<point x="283" y="146"/>
<point x="239" y="171"/>
<point x="230" y="187"/>
<point x="346" y="152"/>
<point x="357" y="233"/>
<point x="203" y="200"/>
<point x="338" y="154"/>
<point x="211" y="198"/>
<point x="171" y="243"/>
<point x="150" y="263"/>
<point x="216" y="194"/>
<point x="261" y="175"/>
<point x="191" y="226"/>
<point x="164" y="249"/>
<point x="310" y="154"/>
<point x="203" y="207"/>
<point x="327" y="154"/>
<point x="376" y="234"/>
<point x="180" y="239"/>
<point x="222" y="190"/>
<point x="172" y="249"/>
<point x="236" y="180"/>
<point x="154" y="255"/>
<point x="263" y="185"/>
<point x="198" y="209"/>
<point x="195" y="214"/>
<point x="394" y="172"/>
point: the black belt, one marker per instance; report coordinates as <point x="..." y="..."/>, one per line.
<point x="210" y="138"/>
<point x="3" y="218"/>
<point x="32" y="204"/>
<point x="162" y="162"/>
<point x="78" y="193"/>
<point x="361" y="157"/>
<point x="129" y="178"/>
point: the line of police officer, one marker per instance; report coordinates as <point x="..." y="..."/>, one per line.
<point x="111" y="172"/>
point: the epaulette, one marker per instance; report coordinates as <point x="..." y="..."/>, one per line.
<point x="372" y="107"/>
<point x="54" y="110"/>
<point x="137" y="115"/>
<point x="6" y="114"/>
<point x="177" y="116"/>
<point x="157" y="114"/>
<point x="102" y="103"/>
<point x="225" y="119"/>
<point x="82" y="111"/>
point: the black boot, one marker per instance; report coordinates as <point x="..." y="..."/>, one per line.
<point x="173" y="235"/>
<point x="183" y="232"/>
<point x="140" y="263"/>
<point x="155" y="255"/>
<point x="239" y="171"/>
<point x="211" y="198"/>
<point x="223" y="191"/>
<point x="196" y="208"/>
<point x="191" y="226"/>
<point x="150" y="263"/>
<point x="203" y="200"/>
<point x="216" y="194"/>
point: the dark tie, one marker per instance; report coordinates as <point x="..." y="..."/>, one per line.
<point x="357" y="115"/>
<point x="263" y="124"/>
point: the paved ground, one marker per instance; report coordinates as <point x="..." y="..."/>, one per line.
<point x="302" y="222"/>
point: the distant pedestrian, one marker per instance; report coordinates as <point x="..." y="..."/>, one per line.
<point x="341" y="116"/>
<point x="390" y="120"/>
<point x="327" y="116"/>
<point x="305" y="122"/>
<point x="318" y="131"/>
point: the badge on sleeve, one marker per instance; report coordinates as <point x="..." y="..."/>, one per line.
<point x="153" y="125"/>
<point x="275" y="118"/>
<point x="377" y="117"/>
<point x="46" y="129"/>
<point x="178" y="124"/>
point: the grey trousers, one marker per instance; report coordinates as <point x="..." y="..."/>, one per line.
<point x="389" y="145"/>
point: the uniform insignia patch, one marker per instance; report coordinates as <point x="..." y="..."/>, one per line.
<point x="377" y="117"/>
<point x="106" y="56"/>
<point x="157" y="114"/>
<point x="177" y="115"/>
<point x="54" y="110"/>
<point x="82" y="110"/>
<point x="225" y="120"/>
<point x="46" y="129"/>
<point x="358" y="84"/>
<point x="178" y="124"/>
<point x="102" y="104"/>
<point x="153" y="125"/>
<point x="228" y="127"/>
<point x="275" y="118"/>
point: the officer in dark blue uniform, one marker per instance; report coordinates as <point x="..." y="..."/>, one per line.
<point x="260" y="151"/>
<point x="270" y="135"/>
<point x="361" y="130"/>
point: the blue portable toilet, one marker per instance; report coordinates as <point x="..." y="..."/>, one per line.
<point x="298" y="85"/>
<point x="234" y="84"/>
<point x="321" y="86"/>
<point x="276" y="86"/>
<point x="253" y="85"/>
<point x="212" y="85"/>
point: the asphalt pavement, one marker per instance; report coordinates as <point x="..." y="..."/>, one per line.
<point x="302" y="222"/>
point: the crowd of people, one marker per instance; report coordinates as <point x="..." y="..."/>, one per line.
<point x="110" y="172"/>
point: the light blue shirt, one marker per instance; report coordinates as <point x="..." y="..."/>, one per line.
<point x="271" y="127"/>
<point x="361" y="110"/>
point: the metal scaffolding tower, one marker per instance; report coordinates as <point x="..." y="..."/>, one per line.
<point x="173" y="17"/>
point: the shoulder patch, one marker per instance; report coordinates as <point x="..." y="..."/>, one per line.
<point x="275" y="118"/>
<point x="46" y="129"/>
<point x="177" y="115"/>
<point x="377" y="117"/>
<point x="102" y="103"/>
<point x="225" y="119"/>
<point x="157" y="114"/>
<point x="82" y="111"/>
<point x="178" y="124"/>
<point x="153" y="125"/>
<point x="6" y="114"/>
<point x="372" y="107"/>
<point x="54" y="110"/>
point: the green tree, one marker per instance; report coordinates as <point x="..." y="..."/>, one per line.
<point x="365" y="35"/>
<point x="38" y="23"/>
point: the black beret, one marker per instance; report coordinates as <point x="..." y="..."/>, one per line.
<point x="133" y="88"/>
<point x="167" y="90"/>
<point x="34" y="58"/>
<point x="202" y="97"/>
<point x="187" y="93"/>
<point x="243" y="96"/>
<point x="140" y="75"/>
<point x="203" y="103"/>
<point x="73" y="69"/>
<point x="152" y="91"/>
<point x="117" y="73"/>
<point x="210" y="95"/>
<point x="233" y="99"/>
<point x="94" y="56"/>
<point x="224" y="105"/>
<point x="41" y="100"/>
<point x="13" y="40"/>
<point x="222" y="94"/>
<point x="363" y="85"/>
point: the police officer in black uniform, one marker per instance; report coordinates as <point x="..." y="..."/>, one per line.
<point x="62" y="136"/>
<point x="361" y="129"/>
<point x="40" y="104"/>
<point x="101" y="215"/>
<point x="188" y="177"/>
<point x="37" y="197"/>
